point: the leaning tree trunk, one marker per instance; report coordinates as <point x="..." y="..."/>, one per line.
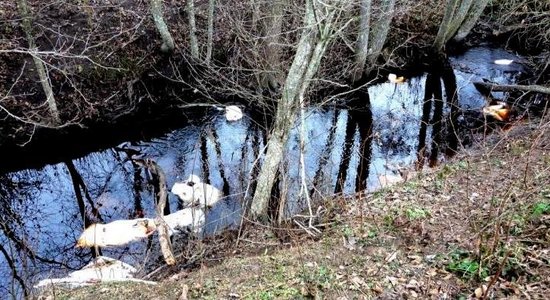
<point x="362" y="44"/>
<point x="311" y="48"/>
<point x="455" y="13"/>
<point x="380" y="29"/>
<point x="192" y="29"/>
<point x="471" y="18"/>
<point x="158" y="17"/>
<point x="450" y="8"/>
<point x="458" y="18"/>
<point x="38" y="63"/>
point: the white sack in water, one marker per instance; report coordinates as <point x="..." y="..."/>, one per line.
<point x="102" y="269"/>
<point x="193" y="218"/>
<point x="233" y="113"/>
<point x="194" y="192"/>
<point x="116" y="233"/>
<point x="504" y="62"/>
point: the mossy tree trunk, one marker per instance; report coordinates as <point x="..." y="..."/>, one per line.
<point x="193" y="42"/>
<point x="372" y="34"/>
<point x="459" y="18"/>
<point x="158" y="18"/>
<point x="362" y="44"/>
<point x="471" y="18"/>
<point x="38" y="62"/>
<point x="380" y="27"/>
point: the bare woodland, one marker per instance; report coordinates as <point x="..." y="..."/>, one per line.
<point x="83" y="63"/>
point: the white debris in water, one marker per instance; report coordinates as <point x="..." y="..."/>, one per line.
<point x="394" y="79"/>
<point x="504" y="62"/>
<point x="116" y="233"/>
<point x="194" y="192"/>
<point x="233" y="113"/>
<point x="191" y="217"/>
<point x="102" y="269"/>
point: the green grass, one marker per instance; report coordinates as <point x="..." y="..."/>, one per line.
<point x="416" y="213"/>
<point x="466" y="267"/>
<point x="540" y="208"/>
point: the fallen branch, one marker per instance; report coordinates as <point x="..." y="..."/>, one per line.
<point x="511" y="87"/>
<point x="164" y="237"/>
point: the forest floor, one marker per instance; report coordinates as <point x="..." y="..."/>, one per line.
<point x="476" y="226"/>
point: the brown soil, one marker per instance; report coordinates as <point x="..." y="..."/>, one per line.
<point x="477" y="223"/>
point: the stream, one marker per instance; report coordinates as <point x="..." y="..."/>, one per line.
<point x="40" y="217"/>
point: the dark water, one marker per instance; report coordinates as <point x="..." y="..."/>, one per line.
<point x="40" y="218"/>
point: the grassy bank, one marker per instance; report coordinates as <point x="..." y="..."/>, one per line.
<point x="474" y="227"/>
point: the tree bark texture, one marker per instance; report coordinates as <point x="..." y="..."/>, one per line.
<point x="380" y="29"/>
<point x="362" y="44"/>
<point x="38" y="63"/>
<point x="460" y="16"/>
<point x="158" y="17"/>
<point x="311" y="47"/>
<point x="192" y="29"/>
<point x="450" y="8"/>
<point x="273" y="26"/>
<point x="471" y="18"/>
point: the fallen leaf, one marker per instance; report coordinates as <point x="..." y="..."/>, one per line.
<point x="391" y="257"/>
<point x="185" y="290"/>
<point x="415" y="259"/>
<point x="358" y="281"/>
<point x="479" y="291"/>
<point x="393" y="280"/>
<point x="431" y="272"/>
<point x="378" y="289"/>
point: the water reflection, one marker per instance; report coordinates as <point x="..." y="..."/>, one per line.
<point x="43" y="211"/>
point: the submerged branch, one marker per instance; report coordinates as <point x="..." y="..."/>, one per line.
<point x="511" y="87"/>
<point x="161" y="196"/>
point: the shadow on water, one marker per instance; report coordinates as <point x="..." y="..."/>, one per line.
<point x="382" y="130"/>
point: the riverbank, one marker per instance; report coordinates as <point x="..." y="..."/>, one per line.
<point x="443" y="234"/>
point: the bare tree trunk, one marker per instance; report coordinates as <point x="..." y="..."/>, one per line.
<point x="450" y="8"/>
<point x="380" y="30"/>
<point x="311" y="47"/>
<point x="158" y="17"/>
<point x="192" y="29"/>
<point x="471" y="18"/>
<point x="362" y="44"/>
<point x="39" y="64"/>
<point x="211" y="7"/>
<point x="455" y="13"/>
<point x="458" y="18"/>
<point x="273" y="29"/>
